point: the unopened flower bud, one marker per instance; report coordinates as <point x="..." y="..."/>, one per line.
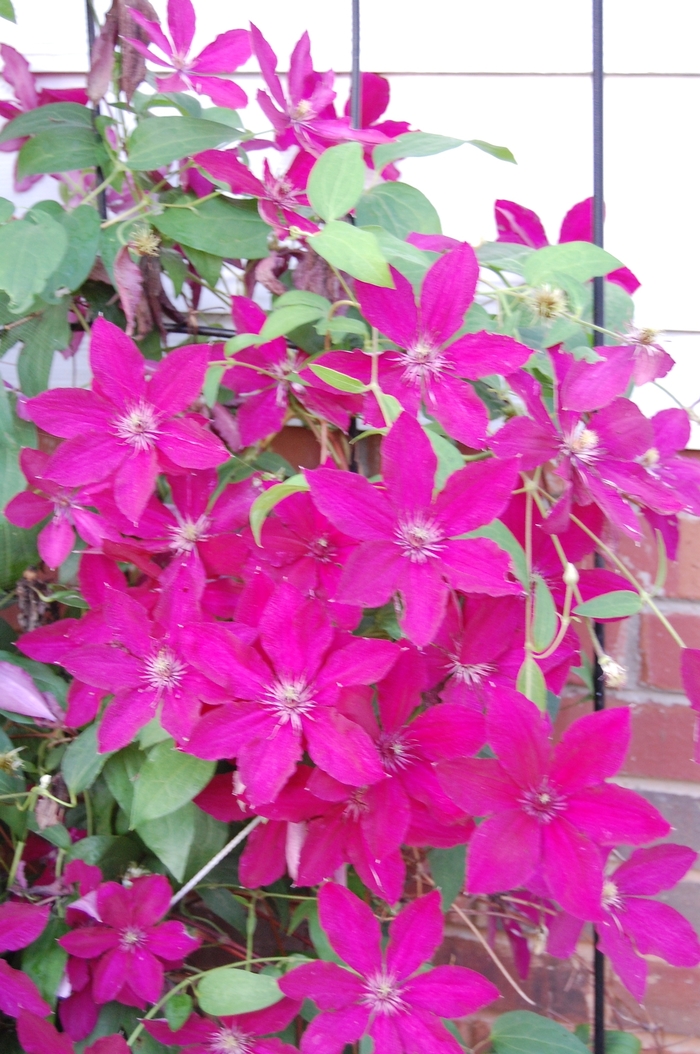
<point x="614" y="675"/>
<point x="11" y="762"/>
<point x="45" y="781"/>
<point x="133" y="872"/>
<point x="570" y="576"/>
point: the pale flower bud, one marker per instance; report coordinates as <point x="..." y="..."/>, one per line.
<point x="570" y="576"/>
<point x="45" y="781"/>
<point x="614" y="675"/>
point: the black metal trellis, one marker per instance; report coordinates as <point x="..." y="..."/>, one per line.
<point x="99" y="174"/>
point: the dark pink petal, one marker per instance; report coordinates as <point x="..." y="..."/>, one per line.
<point x="225" y="166"/>
<point x="17" y="73"/>
<point x="613" y="815"/>
<point x="150" y="898"/>
<point x="392" y="311"/>
<point x="351" y="928"/>
<point x="449" y="730"/>
<point x="519" y="225"/>
<point x="503" y="852"/>
<point x="189" y="445"/>
<point x="109" y="1045"/>
<point x="27" y="509"/>
<point x="386" y="878"/>
<point x="111" y="972"/>
<point x="648" y="871"/>
<point x="447" y="291"/>
<point x="424" y="595"/>
<point x="69" y="412"/>
<point x="592" y="749"/>
<point x="475" y="495"/>
<point x="409" y="480"/>
<point x="265" y="764"/>
<point x="55" y="542"/>
<point x="153" y="31"/>
<point x="577" y="225"/>
<point x="521" y="437"/>
<point x="21" y="696"/>
<point x="352" y="504"/>
<point x="450" y="991"/>
<point x="40" y="1037"/>
<point x="564" y="933"/>
<point x="125" y="716"/>
<point x="328" y="984"/>
<point x="178" y="378"/>
<point x="147" y="969"/>
<point x="658" y="929"/>
<point x="329" y="1033"/>
<point x="117" y="364"/>
<point x="225" y="54"/>
<point x="272" y="1019"/>
<point x="592" y="385"/>
<point x="105" y="666"/>
<point x="519" y="735"/>
<point x="20" y="924"/>
<point x="267" y="61"/>
<point x="135" y="482"/>
<point x="371" y="574"/>
<point x="387" y="818"/>
<point x="630" y="283"/>
<point x="422" y="1030"/>
<point x="631" y="970"/>
<point x="87" y="458"/>
<point x="295" y="632"/>
<point x="573" y="868"/>
<point x="360" y="662"/>
<point x="181" y="23"/>
<point x="18" y="992"/>
<point x="128" y="280"/>
<point x="88" y="942"/>
<point x="478" y="566"/>
<point x="385" y="1035"/>
<point x="458" y="409"/>
<point x="342" y="749"/>
<point x="223" y="732"/>
<point x="479" y="354"/>
<point x="414" y="936"/>
<point x="479" y="786"/>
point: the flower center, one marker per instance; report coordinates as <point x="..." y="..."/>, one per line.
<point x="321" y="549"/>
<point x="355" y="807"/>
<point x="471" y="674"/>
<point x="303" y="110"/>
<point x="583" y="443"/>
<point x="611" y="895"/>
<point x="163" y="671"/>
<point x="131" y="938"/>
<point x="382" y="994"/>
<point x="230" y="1041"/>
<point x="395" y="752"/>
<point x="544" y="803"/>
<point x="291" y="699"/>
<point x="186" y="535"/>
<point x="138" y="426"/>
<point x="419" y="537"/>
<point x="650" y="458"/>
<point x="422" y="362"/>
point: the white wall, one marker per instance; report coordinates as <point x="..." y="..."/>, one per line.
<point x="514" y="72"/>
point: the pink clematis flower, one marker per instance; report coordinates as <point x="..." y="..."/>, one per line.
<point x="632" y="925"/>
<point x="549" y="808"/>
<point x="67" y="509"/>
<point x="18" y="992"/>
<point x="286" y="693"/>
<point x="383" y="995"/>
<point x="278" y="196"/>
<point x="522" y="226"/>
<point x="20" y="924"/>
<point x="374" y="100"/>
<point x="410" y="541"/>
<point x="40" y="1037"/>
<point x="237" y="1034"/>
<point x="224" y="55"/>
<point x="430" y="367"/>
<point x="130" y="942"/>
<point x="129" y="425"/>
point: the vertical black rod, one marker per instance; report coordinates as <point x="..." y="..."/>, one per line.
<point x="355" y="77"/>
<point x="598" y="320"/>
<point x="99" y="174"/>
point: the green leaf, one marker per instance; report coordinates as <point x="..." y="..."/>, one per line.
<point x="285" y="319"/>
<point x="477" y="319"/>
<point x="340" y="325"/>
<point x="545" y="622"/>
<point x="406" y="258"/>
<point x="449" y="458"/>
<point x="170" y="837"/>
<point x="206" y="265"/>
<point x="82" y="227"/>
<point x="57" y="116"/>
<point x="412" y="144"/>
<point x="44" y="960"/>
<point x="57" y="835"/>
<point x="7" y="10"/>
<point x="353" y="250"/>
<point x="159" y="140"/>
<point x="121" y="772"/>
<point x="337" y="180"/>
<point x="617" y="604"/>
<point x="212" y="835"/>
<point x="501" y="152"/>
<point x="175" y="266"/>
<point x="229" y="229"/>
<point x="168" y="778"/>
<point x="522" y="1032"/>
<point x="503" y="256"/>
<point x="338" y="380"/>
<point x="60" y="150"/>
<point x="151" y="734"/>
<point x="223" y="903"/>
<point x="232" y="991"/>
<point x="399" y="208"/>
<point x="7" y="208"/>
<point x="81" y="763"/>
<point x="30" y="250"/>
<point x="42" y="336"/>
<point x="297" y="297"/>
<point x="448" y="867"/>
<point x="111" y="852"/>
<point x="265" y="502"/>
<point x="581" y="260"/>
<point x="212" y="382"/>
<point x="530" y="683"/>
<point x="177" y="1009"/>
<point x="621" y="1043"/>
<point x="505" y="539"/>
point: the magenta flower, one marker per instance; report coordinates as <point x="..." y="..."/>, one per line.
<point x="278" y="196"/>
<point x="411" y="542"/>
<point x="285" y="696"/>
<point x="20" y="923"/>
<point x="18" y="992"/>
<point x="430" y="367"/>
<point x="130" y="942"/>
<point x="374" y="100"/>
<point x="382" y="995"/>
<point x="524" y="227"/>
<point x="40" y="1037"/>
<point x="548" y="808"/>
<point x="632" y="925"/>
<point x="224" y="55"/>
<point x="237" y="1034"/>
<point x="307" y="116"/>
<point x="129" y="424"/>
<point x="266" y="382"/>
<point x="66" y="508"/>
<point x="651" y="361"/>
<point x="21" y="696"/>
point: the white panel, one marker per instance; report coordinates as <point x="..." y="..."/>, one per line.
<point x="646" y="36"/>
<point x="51" y="33"/>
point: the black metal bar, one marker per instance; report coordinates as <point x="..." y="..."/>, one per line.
<point x="99" y="174"/>
<point x="355" y="77"/>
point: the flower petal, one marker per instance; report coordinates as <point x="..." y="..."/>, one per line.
<point x="573" y="868"/>
<point x="327" y="984"/>
<point x="519" y="735"/>
<point x="414" y="935"/>
<point x="351" y="928"/>
<point x="190" y="445"/>
<point x="392" y="311"/>
<point x="503" y="852"/>
<point x="408" y="480"/>
<point x="450" y="991"/>
<point x="447" y="291"/>
<point x="352" y="504"/>
<point x="117" y="364"/>
<point x="613" y="815"/>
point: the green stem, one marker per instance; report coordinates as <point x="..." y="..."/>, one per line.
<point x="19" y="849"/>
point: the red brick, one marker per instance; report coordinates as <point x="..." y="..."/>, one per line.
<point x="661" y="654"/>
<point x="662" y="743"/>
<point x="683" y="578"/>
